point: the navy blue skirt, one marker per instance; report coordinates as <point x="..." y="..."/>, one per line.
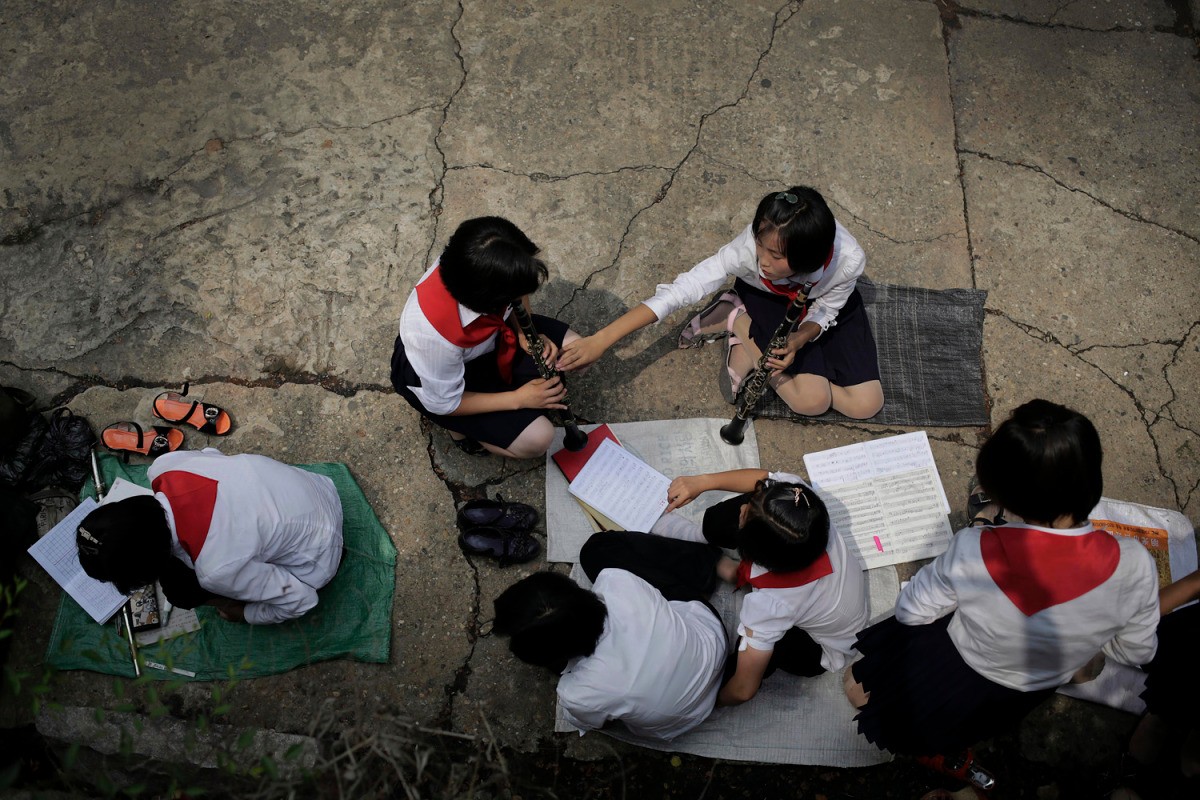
<point x="1171" y="688"/>
<point x="498" y="428"/>
<point x="925" y="700"/>
<point x="844" y="355"/>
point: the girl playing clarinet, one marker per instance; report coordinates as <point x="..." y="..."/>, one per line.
<point x="460" y="361"/>
<point x="794" y="245"/>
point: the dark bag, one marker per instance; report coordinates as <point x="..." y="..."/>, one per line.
<point x="49" y="453"/>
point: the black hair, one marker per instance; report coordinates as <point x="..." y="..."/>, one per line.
<point x="786" y="529"/>
<point x="488" y="263"/>
<point x="550" y="619"/>
<point x="126" y="543"/>
<point x="1042" y="462"/>
<point x="804" y="223"/>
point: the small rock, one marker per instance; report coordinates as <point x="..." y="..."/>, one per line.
<point x="214" y="146"/>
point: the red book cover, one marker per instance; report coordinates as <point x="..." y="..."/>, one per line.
<point x="571" y="462"/>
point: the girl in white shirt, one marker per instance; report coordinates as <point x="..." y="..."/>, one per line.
<point x="1010" y="611"/>
<point x="459" y="358"/>
<point x="808" y="595"/>
<point x="793" y="246"/>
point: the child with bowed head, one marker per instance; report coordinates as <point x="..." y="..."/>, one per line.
<point x="460" y="361"/>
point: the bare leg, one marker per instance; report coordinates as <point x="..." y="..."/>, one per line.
<point x="855" y="693"/>
<point x="533" y="442"/>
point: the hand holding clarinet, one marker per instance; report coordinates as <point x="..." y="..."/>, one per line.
<point x="575" y="439"/>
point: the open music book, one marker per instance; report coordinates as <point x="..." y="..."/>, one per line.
<point x="885" y="497"/>
<point x="621" y="487"/>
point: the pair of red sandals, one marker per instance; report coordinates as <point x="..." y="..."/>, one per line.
<point x="130" y="437"/>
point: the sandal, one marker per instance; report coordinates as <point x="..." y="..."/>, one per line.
<point x="128" y="437"/>
<point x="204" y="417"/>
<point x="977" y="501"/>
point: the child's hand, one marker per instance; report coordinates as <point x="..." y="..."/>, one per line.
<point x="541" y="394"/>
<point x="782" y="359"/>
<point x="684" y="490"/>
<point x="579" y="353"/>
<point x="549" y="350"/>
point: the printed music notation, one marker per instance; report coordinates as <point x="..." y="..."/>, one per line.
<point x="885" y="498"/>
<point x="622" y="487"/>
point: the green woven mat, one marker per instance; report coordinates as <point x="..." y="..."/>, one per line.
<point x="352" y="618"/>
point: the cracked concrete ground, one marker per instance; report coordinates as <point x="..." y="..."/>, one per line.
<point x="243" y="195"/>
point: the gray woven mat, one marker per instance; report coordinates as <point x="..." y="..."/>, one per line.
<point x="929" y="343"/>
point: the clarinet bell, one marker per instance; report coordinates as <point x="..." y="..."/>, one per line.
<point x="735" y="431"/>
<point x="574" y="439"/>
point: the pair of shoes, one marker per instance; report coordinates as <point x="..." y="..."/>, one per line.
<point x="977" y="501"/>
<point x="498" y="513"/>
<point x="963" y="766"/>
<point x="204" y="417"/>
<point x="498" y="529"/>
<point x="130" y="437"/>
<point x="506" y="546"/>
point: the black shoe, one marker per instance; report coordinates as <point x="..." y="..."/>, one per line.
<point x="516" y="517"/>
<point x="505" y="546"/>
<point x="470" y="446"/>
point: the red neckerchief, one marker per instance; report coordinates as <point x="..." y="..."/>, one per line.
<point x="791" y="290"/>
<point x="192" y="498"/>
<point x="785" y="580"/>
<point x="441" y="309"/>
<point x="1038" y="569"/>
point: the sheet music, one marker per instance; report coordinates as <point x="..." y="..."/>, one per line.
<point x="873" y="459"/>
<point x="891" y="519"/>
<point x="57" y="554"/>
<point x="622" y="487"/>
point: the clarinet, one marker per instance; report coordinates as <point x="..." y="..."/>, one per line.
<point x="574" y="439"/>
<point x="756" y="383"/>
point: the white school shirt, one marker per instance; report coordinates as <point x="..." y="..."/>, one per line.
<point x="275" y="536"/>
<point x="657" y="665"/>
<point x="739" y="259"/>
<point x="832" y="610"/>
<point x="1043" y="650"/>
<point x="440" y="363"/>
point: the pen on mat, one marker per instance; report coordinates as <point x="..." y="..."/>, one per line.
<point x="127" y="609"/>
<point x="155" y="665"/>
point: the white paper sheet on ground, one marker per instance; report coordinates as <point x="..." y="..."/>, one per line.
<point x="673" y="447"/>
<point x="622" y="487"/>
<point x="791" y="720"/>
<point x="58" y="555"/>
<point x="1119" y="686"/>
<point x="886" y="497"/>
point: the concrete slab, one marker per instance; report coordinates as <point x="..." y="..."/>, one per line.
<point x="244" y="194"/>
<point x="1110" y="115"/>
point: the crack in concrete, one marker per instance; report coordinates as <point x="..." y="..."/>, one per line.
<point x="781" y="18"/>
<point x="438" y="193"/>
<point x="542" y="177"/>
<point x="80" y="383"/>
<point x="771" y="182"/>
<point x="952" y="10"/>
<point x="29" y="233"/>
<point x="1042" y="171"/>
<point x="948" y="25"/>
<point x="1148" y="416"/>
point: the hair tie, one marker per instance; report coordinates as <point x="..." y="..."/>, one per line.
<point x="800" y="493"/>
<point x="94" y="543"/>
<point x="791" y="198"/>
